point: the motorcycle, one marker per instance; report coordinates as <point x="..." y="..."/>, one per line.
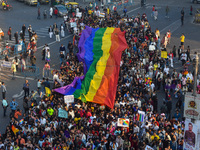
<point x="7" y="7"/>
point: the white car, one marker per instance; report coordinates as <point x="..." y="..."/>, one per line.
<point x="195" y="1"/>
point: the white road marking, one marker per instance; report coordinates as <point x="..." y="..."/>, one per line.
<point x="135" y="9"/>
<point x="55" y="41"/>
<point x="21" y="77"/>
<point x="168" y="27"/>
<point x="18" y="95"/>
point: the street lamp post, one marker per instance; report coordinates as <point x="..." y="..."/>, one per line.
<point x="196" y="64"/>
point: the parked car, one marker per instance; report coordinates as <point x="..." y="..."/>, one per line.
<point x="44" y="1"/>
<point x="62" y="11"/>
<point x="31" y="2"/>
<point x="195" y="1"/>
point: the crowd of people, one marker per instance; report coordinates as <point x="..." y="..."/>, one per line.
<point x="143" y="73"/>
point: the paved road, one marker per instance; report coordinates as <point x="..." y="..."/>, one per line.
<point x="23" y="14"/>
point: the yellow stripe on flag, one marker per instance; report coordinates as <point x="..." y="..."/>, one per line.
<point x="101" y="65"/>
<point x="48" y="91"/>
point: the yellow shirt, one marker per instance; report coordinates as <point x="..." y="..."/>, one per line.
<point x="155" y="66"/>
<point x="13" y="68"/>
<point x="182" y="38"/>
<point x="3" y="4"/>
<point x="153" y="137"/>
<point x="108" y="11"/>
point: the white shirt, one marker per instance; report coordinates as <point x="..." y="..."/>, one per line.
<point x="43" y="121"/>
<point x="189" y="75"/>
<point x="114" y="147"/>
<point x="166" y="70"/>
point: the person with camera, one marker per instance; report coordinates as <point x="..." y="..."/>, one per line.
<point x="13" y="106"/>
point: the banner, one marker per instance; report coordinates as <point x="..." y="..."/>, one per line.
<point x="122" y="122"/>
<point x="62" y="113"/>
<point x="19" y="48"/>
<point x="190" y="136"/>
<point x="192" y="106"/>
<point x="6" y="64"/>
<point x="79" y="14"/>
<point x="73" y="24"/>
<point x="163" y="54"/>
<point x="69" y="99"/>
<point x="148" y="148"/>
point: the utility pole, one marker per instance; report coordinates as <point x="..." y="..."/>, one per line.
<point x="196" y="64"/>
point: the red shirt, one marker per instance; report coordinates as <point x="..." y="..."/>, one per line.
<point x="55" y="11"/>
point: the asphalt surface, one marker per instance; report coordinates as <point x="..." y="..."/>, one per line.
<point x="24" y="14"/>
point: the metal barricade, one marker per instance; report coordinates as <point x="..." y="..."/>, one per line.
<point x="30" y="71"/>
<point x="19" y="48"/>
<point x="49" y="73"/>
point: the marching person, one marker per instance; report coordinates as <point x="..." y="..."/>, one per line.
<point x="183" y="58"/>
<point x="38" y="17"/>
<point x="167" y="12"/>
<point x="50" y="32"/>
<point x="57" y="35"/>
<point x="182" y="38"/>
<point x="62" y="49"/>
<point x="46" y="69"/>
<point x="54" y="28"/>
<point x="23" y="30"/>
<point x="156" y="14"/>
<point x="3" y="87"/>
<point x="51" y="12"/>
<point x="16" y="37"/>
<point x="45" y="13"/>
<point x="30" y="30"/>
<point x="47" y="55"/>
<point x="13" y="106"/>
<point x="188" y="54"/>
<point x="13" y="69"/>
<point x="171" y="56"/>
<point x="10" y="33"/>
<point x="62" y="31"/>
<point x="4" y="105"/>
<point x="26" y="88"/>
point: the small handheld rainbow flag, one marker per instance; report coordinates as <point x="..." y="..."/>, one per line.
<point x="15" y="130"/>
<point x="32" y="104"/>
<point x="21" y="121"/>
<point x="141" y="115"/>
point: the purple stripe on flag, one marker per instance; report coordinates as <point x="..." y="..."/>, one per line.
<point x="85" y="34"/>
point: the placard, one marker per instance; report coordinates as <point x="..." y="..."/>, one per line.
<point x="190" y="136"/>
<point x="62" y="113"/>
<point x="122" y="122"/>
<point x="163" y="54"/>
<point x="148" y="148"/>
<point x="79" y="14"/>
<point x="69" y="99"/>
<point x="73" y="24"/>
<point x="19" y="48"/>
<point x="192" y="106"/>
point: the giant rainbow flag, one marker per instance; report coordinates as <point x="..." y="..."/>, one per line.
<point x="100" y="51"/>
